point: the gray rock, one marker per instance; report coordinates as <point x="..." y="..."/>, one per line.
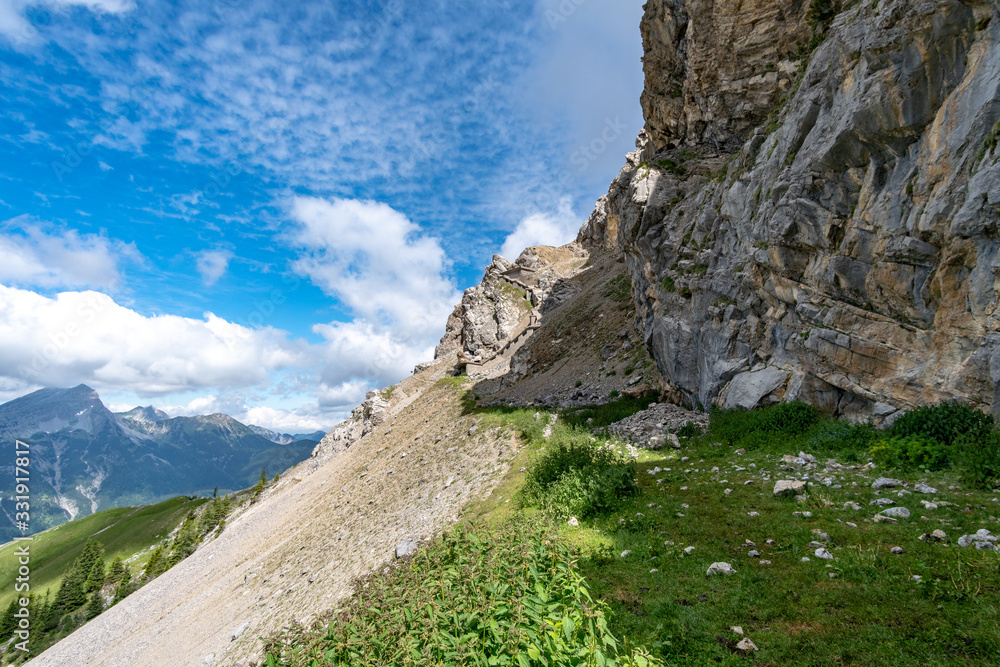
<point x="720" y="568"/>
<point x="753" y="553"/>
<point x="810" y="248"/>
<point x="896" y="550"/>
<point x="923" y="488"/>
<point x="407" y="547"/>
<point x="882" y="502"/>
<point x="790" y="487"/>
<point x="746" y="645"/>
<point x="896" y="512"/>
<point x="886" y="483"/>
<point x="238" y="631"/>
<point x="748" y="389"/>
<point x="823" y="553"/>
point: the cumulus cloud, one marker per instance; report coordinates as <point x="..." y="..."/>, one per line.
<point x="212" y="265"/>
<point x="386" y="273"/>
<point x="554" y="229"/>
<point x="33" y="256"/>
<point x="87" y="337"/>
<point x="375" y="261"/>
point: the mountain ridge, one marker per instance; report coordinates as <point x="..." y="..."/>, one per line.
<point x="86" y="458"/>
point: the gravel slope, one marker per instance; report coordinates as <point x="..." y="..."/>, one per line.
<point x="295" y="553"/>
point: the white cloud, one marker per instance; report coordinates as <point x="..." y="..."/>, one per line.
<point x="212" y="265"/>
<point x="283" y="421"/>
<point x="15" y="26"/>
<point x="104" y="166"/>
<point x="389" y="275"/>
<point x="87" y="337"/>
<point x="32" y="256"/>
<point x="380" y="355"/>
<point x="376" y="262"/>
<point x="554" y="229"/>
<point x="303" y="420"/>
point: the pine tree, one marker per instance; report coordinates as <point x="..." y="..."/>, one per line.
<point x="8" y="623"/>
<point x="47" y="614"/>
<point x="71" y="592"/>
<point x="125" y="586"/>
<point x="117" y="570"/>
<point x="156" y="563"/>
<point x="96" y="576"/>
<point x="261" y="483"/>
<point x="95" y="606"/>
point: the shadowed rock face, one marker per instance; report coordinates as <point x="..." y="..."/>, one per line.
<point x="715" y="68"/>
<point x="846" y="253"/>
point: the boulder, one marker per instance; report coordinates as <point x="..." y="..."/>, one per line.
<point x="790" y="487"/>
<point x="720" y="568"/>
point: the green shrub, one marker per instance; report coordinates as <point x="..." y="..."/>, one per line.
<point x="788" y="418"/>
<point x="912" y="452"/>
<point x="943" y="423"/>
<point x="839" y="437"/>
<point x="512" y="596"/>
<point x="579" y="479"/>
<point x="977" y="456"/>
<point x="608" y="413"/>
<point x="690" y="430"/>
<point x="822" y="12"/>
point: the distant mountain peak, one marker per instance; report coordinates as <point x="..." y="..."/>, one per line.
<point x="147" y="415"/>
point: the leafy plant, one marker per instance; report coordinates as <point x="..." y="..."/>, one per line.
<point x="690" y="430"/>
<point x="912" y="452"/>
<point x="978" y="459"/>
<point x="597" y="416"/>
<point x="510" y="596"/>
<point x="943" y="423"/>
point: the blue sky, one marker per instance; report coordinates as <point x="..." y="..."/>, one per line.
<point x="267" y="209"/>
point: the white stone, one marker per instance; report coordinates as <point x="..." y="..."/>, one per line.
<point x="720" y="568"/>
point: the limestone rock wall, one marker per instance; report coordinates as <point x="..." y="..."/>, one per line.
<point x="847" y="252"/>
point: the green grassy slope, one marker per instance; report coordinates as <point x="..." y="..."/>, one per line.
<point x="647" y="556"/>
<point x="123" y="531"/>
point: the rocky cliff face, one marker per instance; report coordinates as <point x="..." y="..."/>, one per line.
<point x="846" y="252"/>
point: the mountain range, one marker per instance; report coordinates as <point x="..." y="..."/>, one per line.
<point x="84" y="458"/>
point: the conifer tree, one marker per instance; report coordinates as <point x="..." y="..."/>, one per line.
<point x="117" y="570"/>
<point x="95" y="606"/>
<point x="96" y="576"/>
<point x="8" y="623"/>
